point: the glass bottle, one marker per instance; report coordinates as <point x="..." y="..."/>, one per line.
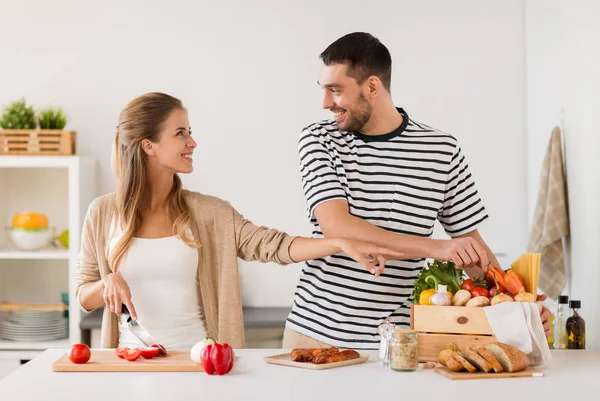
<point x="560" y="323"/>
<point x="385" y="330"/>
<point x="404" y="350"/>
<point x="551" y="335"/>
<point x="575" y="328"/>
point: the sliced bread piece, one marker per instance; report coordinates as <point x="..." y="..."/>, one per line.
<point x="476" y="360"/>
<point x="511" y="358"/>
<point x="458" y="356"/>
<point x="487" y="355"/>
<point x="454" y="365"/>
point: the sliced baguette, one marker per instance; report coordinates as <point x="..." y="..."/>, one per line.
<point x="511" y="358"/>
<point x="487" y="355"/>
<point x="476" y="360"/>
<point x="458" y="356"/>
<point x="454" y="365"/>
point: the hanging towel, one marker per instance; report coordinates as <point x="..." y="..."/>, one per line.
<point x="551" y="220"/>
<point x="519" y="324"/>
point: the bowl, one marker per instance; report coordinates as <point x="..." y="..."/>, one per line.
<point x="27" y="239"/>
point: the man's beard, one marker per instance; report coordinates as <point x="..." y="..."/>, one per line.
<point x="360" y="115"/>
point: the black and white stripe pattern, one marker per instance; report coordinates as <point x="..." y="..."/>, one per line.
<point x="402" y="182"/>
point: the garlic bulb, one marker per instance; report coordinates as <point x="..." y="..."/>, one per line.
<point x="441" y="297"/>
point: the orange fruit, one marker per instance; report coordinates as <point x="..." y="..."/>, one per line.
<point x="30" y="220"/>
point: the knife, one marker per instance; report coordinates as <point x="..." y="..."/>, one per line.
<point x="137" y="329"/>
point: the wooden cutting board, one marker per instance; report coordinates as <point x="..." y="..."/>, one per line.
<point x="444" y="371"/>
<point x="286" y="360"/>
<point x="106" y="361"/>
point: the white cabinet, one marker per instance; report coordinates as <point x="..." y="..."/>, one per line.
<point x="62" y="188"/>
<point x="11" y="360"/>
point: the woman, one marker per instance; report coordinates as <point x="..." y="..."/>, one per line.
<point x="170" y="255"/>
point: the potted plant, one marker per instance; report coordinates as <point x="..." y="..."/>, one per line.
<point x="51" y="118"/>
<point x="20" y="134"/>
<point x="18" y="115"/>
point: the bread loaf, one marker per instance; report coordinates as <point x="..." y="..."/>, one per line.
<point x="458" y="356"/>
<point x="453" y="364"/>
<point x="511" y="358"/>
<point x="487" y="355"/>
<point x="476" y="360"/>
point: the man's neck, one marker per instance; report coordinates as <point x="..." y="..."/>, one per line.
<point x="383" y="121"/>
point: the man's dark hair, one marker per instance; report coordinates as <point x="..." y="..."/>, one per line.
<point x="365" y="56"/>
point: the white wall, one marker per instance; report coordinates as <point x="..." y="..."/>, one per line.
<point x="563" y="60"/>
<point x="247" y="72"/>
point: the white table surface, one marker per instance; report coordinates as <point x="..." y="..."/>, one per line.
<point x="570" y="375"/>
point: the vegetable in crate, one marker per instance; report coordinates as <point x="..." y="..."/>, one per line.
<point x="18" y="115"/>
<point x="437" y="273"/>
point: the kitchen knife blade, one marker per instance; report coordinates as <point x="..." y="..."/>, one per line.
<point x="137" y="330"/>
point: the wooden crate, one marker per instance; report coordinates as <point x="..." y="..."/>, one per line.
<point x="37" y="142"/>
<point x="438" y="326"/>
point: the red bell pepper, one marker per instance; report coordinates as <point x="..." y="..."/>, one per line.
<point x="217" y="358"/>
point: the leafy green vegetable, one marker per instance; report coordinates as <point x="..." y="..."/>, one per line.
<point x="437" y="273"/>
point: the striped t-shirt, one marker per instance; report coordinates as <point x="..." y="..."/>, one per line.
<point x="402" y="181"/>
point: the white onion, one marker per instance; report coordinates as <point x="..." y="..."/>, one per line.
<point x="196" y="352"/>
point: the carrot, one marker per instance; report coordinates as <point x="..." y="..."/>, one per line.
<point x="513" y="282"/>
<point x="496" y="274"/>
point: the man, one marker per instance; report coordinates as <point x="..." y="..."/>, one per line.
<point x="372" y="173"/>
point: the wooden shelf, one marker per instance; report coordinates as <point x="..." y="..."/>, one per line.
<point x="46" y="254"/>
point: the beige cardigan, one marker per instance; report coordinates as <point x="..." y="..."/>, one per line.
<point x="224" y="236"/>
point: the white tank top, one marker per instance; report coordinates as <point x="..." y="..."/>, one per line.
<point x="162" y="274"/>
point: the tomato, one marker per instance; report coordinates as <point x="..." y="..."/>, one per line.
<point x="162" y="350"/>
<point x="149" y="353"/>
<point x="120" y="352"/>
<point x="79" y="353"/>
<point x="479" y="292"/>
<point x="467" y="285"/>
<point x="132" y="354"/>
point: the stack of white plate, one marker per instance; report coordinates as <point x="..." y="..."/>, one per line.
<point x="34" y="325"/>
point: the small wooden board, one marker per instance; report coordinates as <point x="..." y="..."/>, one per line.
<point x="444" y="371"/>
<point x="105" y="360"/>
<point x="286" y="360"/>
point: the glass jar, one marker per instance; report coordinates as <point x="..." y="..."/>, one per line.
<point x="404" y="350"/>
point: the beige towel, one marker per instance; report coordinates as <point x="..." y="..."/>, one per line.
<point x="551" y="220"/>
<point x="519" y="324"/>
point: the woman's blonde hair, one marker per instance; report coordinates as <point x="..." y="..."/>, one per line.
<point x="143" y="118"/>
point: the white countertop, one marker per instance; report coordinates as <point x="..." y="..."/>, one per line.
<point x="253" y="379"/>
